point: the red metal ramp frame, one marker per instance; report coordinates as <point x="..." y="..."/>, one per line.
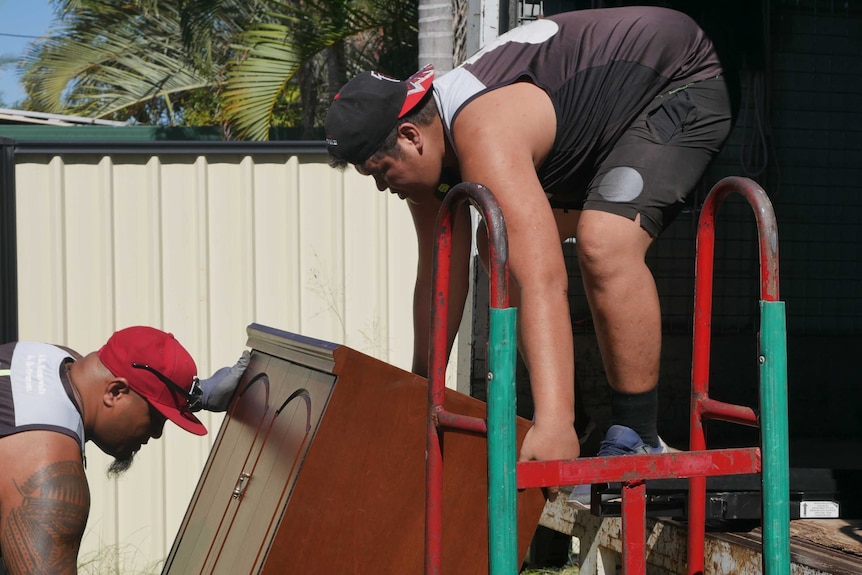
<point x="771" y="458"/>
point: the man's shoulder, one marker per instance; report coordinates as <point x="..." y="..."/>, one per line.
<point x="39" y="456"/>
<point x="35" y="394"/>
<point x="514" y="115"/>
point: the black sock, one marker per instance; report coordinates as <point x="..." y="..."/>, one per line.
<point x="638" y="411"/>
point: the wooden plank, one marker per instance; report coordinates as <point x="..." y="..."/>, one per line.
<point x="843" y="535"/>
<point x="817" y="546"/>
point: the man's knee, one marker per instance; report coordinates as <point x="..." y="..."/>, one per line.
<point x="607" y="243"/>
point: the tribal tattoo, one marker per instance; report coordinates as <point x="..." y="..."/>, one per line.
<point x="43" y="533"/>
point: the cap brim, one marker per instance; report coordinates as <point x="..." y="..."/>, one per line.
<point x="184" y="419"/>
<point x="417" y="86"/>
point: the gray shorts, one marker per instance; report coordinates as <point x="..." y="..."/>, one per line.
<point x="661" y="157"/>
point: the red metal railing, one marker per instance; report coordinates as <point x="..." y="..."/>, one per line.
<point x="633" y="470"/>
<point x="438" y="418"/>
<point x="702" y="406"/>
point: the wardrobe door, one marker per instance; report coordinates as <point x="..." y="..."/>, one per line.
<point x="198" y="542"/>
<point x="303" y="394"/>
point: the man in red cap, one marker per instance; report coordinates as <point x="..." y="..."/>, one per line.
<point x="593" y="125"/>
<point x="52" y="401"/>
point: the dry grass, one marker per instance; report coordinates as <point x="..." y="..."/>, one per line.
<point x="117" y="560"/>
<point x="560" y="571"/>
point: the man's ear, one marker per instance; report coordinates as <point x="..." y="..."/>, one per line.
<point x="115" y="389"/>
<point x="411" y="132"/>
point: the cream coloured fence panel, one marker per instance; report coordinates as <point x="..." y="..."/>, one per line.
<point x="201" y="246"/>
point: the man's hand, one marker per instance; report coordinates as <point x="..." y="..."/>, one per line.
<point x="550" y="443"/>
<point x="218" y="389"/>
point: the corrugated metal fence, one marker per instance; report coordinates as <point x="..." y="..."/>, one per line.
<point x="200" y="242"/>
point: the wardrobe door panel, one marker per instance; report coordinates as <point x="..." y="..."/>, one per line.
<point x="271" y="481"/>
<point x="214" y="503"/>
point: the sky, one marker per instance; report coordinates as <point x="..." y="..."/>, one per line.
<point x="21" y="21"/>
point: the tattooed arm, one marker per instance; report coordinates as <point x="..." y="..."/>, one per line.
<point x="44" y="503"/>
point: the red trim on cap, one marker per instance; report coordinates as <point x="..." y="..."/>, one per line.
<point x="417" y="86"/>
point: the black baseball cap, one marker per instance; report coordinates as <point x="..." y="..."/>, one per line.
<point x="366" y="109"/>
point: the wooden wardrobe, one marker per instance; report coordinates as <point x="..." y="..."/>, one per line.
<point x="319" y="469"/>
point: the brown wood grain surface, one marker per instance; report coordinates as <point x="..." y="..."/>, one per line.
<point x="334" y="481"/>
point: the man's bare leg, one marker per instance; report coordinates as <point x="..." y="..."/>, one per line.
<point x="624" y="302"/>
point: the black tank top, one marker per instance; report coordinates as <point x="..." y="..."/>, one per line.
<point x="599" y="67"/>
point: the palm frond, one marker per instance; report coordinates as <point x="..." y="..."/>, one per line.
<point x="254" y="85"/>
<point x="274" y="53"/>
<point x="208" y="26"/>
<point x="112" y="57"/>
<point x="98" y="72"/>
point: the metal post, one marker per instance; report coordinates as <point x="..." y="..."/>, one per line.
<point x="500" y="428"/>
<point x="772" y="357"/>
<point x="774" y="431"/>
<point x="8" y="244"/>
<point x="633" y="513"/>
<point x="502" y="455"/>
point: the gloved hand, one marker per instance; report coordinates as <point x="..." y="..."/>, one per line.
<point x="218" y="389"/>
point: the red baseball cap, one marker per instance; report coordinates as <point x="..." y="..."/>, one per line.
<point x="140" y="355"/>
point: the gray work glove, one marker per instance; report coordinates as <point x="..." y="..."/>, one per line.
<point x="218" y="389"/>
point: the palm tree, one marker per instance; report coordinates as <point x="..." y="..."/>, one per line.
<point x="340" y="37"/>
<point x="253" y="60"/>
<point x="109" y="59"/>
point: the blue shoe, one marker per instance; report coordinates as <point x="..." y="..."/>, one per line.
<point x="622" y="440"/>
<point x="580" y="496"/>
<point x="619" y="440"/>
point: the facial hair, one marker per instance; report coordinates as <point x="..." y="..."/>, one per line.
<point x="120" y="465"/>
